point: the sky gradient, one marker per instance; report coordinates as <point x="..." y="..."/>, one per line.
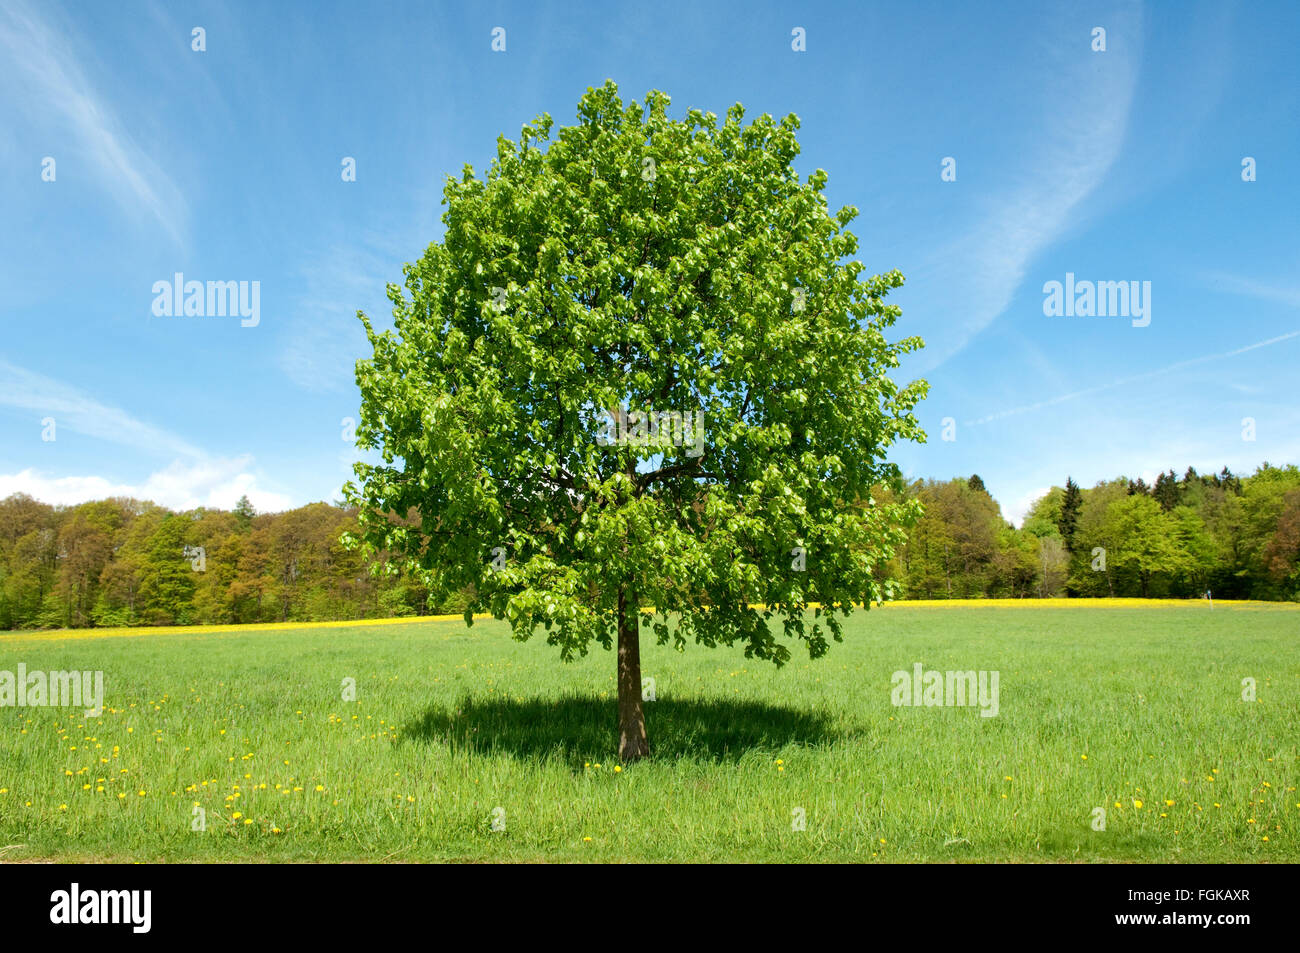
<point x="225" y="165"/>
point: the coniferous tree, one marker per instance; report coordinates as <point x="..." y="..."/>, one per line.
<point x="1071" y="503"/>
<point x="1166" y="491"/>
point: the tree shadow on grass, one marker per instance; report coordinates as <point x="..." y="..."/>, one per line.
<point x="576" y="729"/>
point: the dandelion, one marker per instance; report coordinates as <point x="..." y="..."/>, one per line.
<point x="1137" y="804"/>
<point x="236" y="816"/>
<point x="1169" y="803"/>
<point x="617" y="768"/>
<point x="320" y="787"/>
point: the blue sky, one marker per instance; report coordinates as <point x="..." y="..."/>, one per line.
<point x="1122" y="165"/>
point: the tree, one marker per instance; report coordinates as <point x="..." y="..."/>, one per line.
<point x="1016" y="562"/>
<point x="244" y="513"/>
<point x="1146" y="539"/>
<point x="975" y="483"/>
<point x="1281" y="555"/>
<point x="527" y="404"/>
<point x="1071" y="505"/>
<point x="1166" y="491"/>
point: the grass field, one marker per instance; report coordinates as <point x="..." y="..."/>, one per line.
<point x="1101" y="706"/>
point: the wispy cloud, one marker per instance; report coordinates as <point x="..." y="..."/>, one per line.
<point x="47" y="59"/>
<point x="1288" y="295"/>
<point x="1146" y="375"/>
<point x="324" y="338"/>
<point x="74" y="410"/>
<point x="1085" y="116"/>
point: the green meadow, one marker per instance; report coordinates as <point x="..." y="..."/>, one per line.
<point x="464" y="745"/>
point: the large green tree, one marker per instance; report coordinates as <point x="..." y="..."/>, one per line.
<point x="630" y="267"/>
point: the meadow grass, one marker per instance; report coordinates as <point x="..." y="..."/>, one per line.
<point x="1101" y="705"/>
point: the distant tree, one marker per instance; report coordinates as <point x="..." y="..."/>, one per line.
<point x="975" y="483"/>
<point x="1053" y="565"/>
<point x="1017" y="563"/>
<point x="1138" y="487"/>
<point x="1281" y="554"/>
<point x="168" y="580"/>
<point x="244" y="513"/>
<point x="1091" y="574"/>
<point x="1166" y="491"/>
<point x="1071" y="505"/>
<point x="1146" y="541"/>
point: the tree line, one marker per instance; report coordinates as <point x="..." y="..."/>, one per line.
<point x="1234" y="537"/>
<point x="122" y="562"/>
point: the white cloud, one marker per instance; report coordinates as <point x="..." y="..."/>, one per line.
<point x="193" y="478"/>
<point x="1015" y="512"/>
<point x="60" y="90"/>
<point x="180" y="486"/>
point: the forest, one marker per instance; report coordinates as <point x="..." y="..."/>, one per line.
<point x="120" y="562"/>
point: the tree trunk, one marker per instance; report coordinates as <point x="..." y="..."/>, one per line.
<point x="631" y="719"/>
